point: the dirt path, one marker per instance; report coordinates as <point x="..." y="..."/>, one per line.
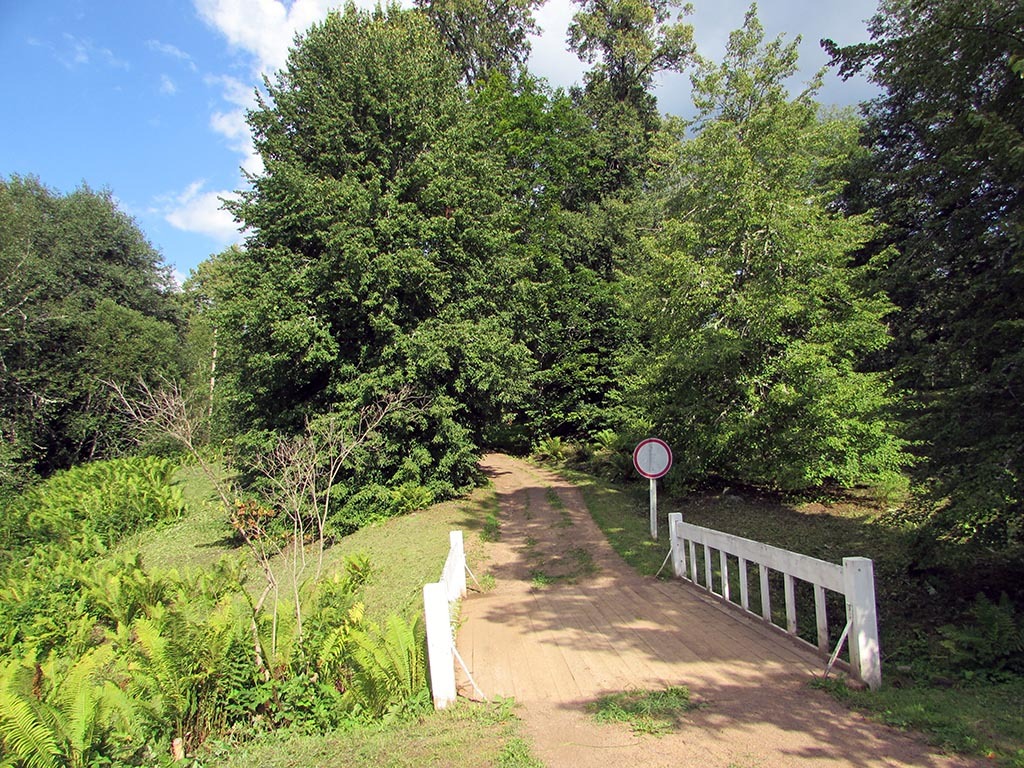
<point x="568" y="621"/>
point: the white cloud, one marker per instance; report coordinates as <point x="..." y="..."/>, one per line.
<point x="263" y="28"/>
<point x="173" y="51"/>
<point x="167" y="86"/>
<point x="550" y="56"/>
<point x="234" y="90"/>
<point x="194" y="210"/>
<point x="231" y="123"/>
<point x="80" y="51"/>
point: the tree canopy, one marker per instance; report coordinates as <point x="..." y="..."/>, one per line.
<point x="944" y="176"/>
<point x="758" y="322"/>
<point x="84" y="299"/>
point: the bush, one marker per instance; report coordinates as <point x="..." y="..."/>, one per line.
<point x="991" y="641"/>
<point x="108" y="499"/>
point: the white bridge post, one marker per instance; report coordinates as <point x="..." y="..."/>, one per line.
<point x="458" y="570"/>
<point x="859" y="582"/>
<point x="440" y="655"/>
<point x="676" y="541"/>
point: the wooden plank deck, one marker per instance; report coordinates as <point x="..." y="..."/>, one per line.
<point x="602" y="629"/>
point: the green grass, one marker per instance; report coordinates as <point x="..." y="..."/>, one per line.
<point x="983" y="720"/>
<point x="196" y="541"/>
<point x="492" y="528"/>
<point x="468" y="735"/>
<point x="539" y="579"/>
<point x="404" y="552"/>
<point x="646" y="712"/>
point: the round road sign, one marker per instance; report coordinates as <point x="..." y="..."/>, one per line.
<point x="652" y="458"/>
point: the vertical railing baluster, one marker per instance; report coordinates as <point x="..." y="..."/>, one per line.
<point x="766" y="598"/>
<point x="790" y="604"/>
<point x="744" y="590"/>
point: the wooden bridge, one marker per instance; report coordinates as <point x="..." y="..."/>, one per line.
<point x="568" y="621"/>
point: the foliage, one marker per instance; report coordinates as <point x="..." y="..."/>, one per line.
<point x="943" y="177"/>
<point x="84" y="299"/>
<point x="993" y="641"/>
<point x="161" y="657"/>
<point x="551" y="449"/>
<point x="484" y="36"/>
<point x="758" y="321"/>
<point x="389" y="667"/>
<point x="376" y="230"/>
<point x="80" y="716"/>
<point x="106" y="499"/>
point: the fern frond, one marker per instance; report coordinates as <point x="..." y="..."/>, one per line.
<point x="22" y="731"/>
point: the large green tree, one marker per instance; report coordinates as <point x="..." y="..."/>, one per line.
<point x="758" y="319"/>
<point x="379" y="260"/>
<point x="945" y="176"/>
<point x="84" y="300"/>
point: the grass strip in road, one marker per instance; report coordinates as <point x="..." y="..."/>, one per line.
<point x="654" y="712"/>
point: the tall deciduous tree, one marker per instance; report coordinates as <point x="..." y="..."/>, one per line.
<point x="628" y="42"/>
<point x="758" y="321"/>
<point x="84" y="299"/>
<point x="946" y="178"/>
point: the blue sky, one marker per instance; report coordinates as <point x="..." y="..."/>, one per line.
<point x="147" y="98"/>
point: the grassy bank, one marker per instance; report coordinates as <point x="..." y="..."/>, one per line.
<point x="468" y="735"/>
<point x="404" y="553"/>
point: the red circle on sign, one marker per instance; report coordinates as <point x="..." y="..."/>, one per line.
<point x="652" y="458"/>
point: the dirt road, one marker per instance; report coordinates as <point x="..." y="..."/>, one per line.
<point x="568" y="621"/>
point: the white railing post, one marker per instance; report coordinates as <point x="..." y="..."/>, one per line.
<point x="440" y="655"/>
<point x="859" y="582"/>
<point x="458" y="554"/>
<point x="675" y="539"/>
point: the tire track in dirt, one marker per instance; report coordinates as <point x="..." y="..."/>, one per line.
<point x="569" y="621"/>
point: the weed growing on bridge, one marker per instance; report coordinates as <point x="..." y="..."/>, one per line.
<point x="651" y="712"/>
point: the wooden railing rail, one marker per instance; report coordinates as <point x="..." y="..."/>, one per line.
<point x="854" y="579"/>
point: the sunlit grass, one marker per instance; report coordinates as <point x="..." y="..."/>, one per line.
<point x="646" y="712"/>
<point x="467" y="734"/>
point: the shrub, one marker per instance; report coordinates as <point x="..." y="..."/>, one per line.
<point x="110" y="499"/>
<point x="991" y="641"/>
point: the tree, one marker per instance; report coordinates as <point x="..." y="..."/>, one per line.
<point x="83" y="299"/>
<point x="628" y="42"/>
<point x="759" y="321"/>
<point x="946" y="141"/>
<point x="485" y="36"/>
<point x="378" y="259"/>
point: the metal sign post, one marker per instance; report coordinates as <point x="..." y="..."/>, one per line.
<point x="652" y="458"/>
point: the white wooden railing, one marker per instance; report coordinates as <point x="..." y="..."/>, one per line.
<point x="438" y="599"/>
<point x="854" y="579"/>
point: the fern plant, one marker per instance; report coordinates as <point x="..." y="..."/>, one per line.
<point x="25" y="737"/>
<point x="108" y="499"/>
<point x="74" y="718"/>
<point x="550" y="449"/>
<point x="993" y="640"/>
<point x="388" y="666"/>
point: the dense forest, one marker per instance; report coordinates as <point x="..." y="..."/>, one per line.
<point x="444" y="255"/>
